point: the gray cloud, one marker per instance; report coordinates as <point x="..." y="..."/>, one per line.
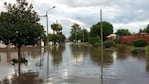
<point x="121" y="13"/>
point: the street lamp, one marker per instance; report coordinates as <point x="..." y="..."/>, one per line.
<point x="47" y="40"/>
<point x="47" y="21"/>
<point x="47" y="17"/>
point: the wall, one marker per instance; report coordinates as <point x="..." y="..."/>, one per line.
<point x="129" y="39"/>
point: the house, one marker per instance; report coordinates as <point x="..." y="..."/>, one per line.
<point x="111" y="37"/>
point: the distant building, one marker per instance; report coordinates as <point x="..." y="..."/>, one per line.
<point x="111" y="37"/>
<point x="2" y="45"/>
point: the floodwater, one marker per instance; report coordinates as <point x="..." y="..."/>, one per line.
<point x="74" y="64"/>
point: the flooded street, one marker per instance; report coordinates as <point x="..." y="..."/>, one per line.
<point x="74" y="64"/>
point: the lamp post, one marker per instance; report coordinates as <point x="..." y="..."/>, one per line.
<point x="47" y="17"/>
<point x="101" y="31"/>
<point x="47" y="40"/>
<point x="47" y="21"/>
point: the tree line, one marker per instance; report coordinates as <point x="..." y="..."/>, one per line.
<point x="20" y="26"/>
<point x="93" y="36"/>
<point x="78" y="33"/>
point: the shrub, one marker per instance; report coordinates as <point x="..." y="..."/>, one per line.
<point x="139" y="43"/>
<point x="95" y="41"/>
<point x="96" y="44"/>
<point x="147" y="52"/>
<point x="21" y="60"/>
<point x="108" y="44"/>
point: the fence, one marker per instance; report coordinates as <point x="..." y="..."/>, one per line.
<point x="129" y="39"/>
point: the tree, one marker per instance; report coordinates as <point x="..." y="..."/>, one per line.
<point x="142" y="30"/>
<point x="61" y="38"/>
<point x="19" y="25"/>
<point x="107" y="29"/>
<point x="56" y="27"/>
<point x="147" y="29"/>
<point x="84" y="35"/>
<point x="75" y="31"/>
<point x="58" y="37"/>
<point x="123" y="32"/>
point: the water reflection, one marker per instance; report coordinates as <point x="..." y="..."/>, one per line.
<point x="25" y="52"/>
<point x="6" y="69"/>
<point x="56" y="53"/>
<point x="78" y="53"/>
<point x="96" y="56"/>
<point x="122" y="55"/>
<point x="24" y="78"/>
<point x="147" y="66"/>
<point x="147" y="63"/>
<point x="75" y="64"/>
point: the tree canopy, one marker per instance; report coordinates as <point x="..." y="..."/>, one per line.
<point x="75" y="31"/>
<point x="147" y="29"/>
<point x="56" y="27"/>
<point x="20" y="25"/>
<point x="144" y="30"/>
<point x="123" y="32"/>
<point x="78" y="34"/>
<point x="75" y="28"/>
<point x="96" y="29"/>
<point x="59" y="36"/>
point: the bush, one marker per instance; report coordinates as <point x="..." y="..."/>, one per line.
<point x="108" y="44"/>
<point x="147" y="52"/>
<point x="96" y="44"/>
<point x="139" y="43"/>
<point x="95" y="41"/>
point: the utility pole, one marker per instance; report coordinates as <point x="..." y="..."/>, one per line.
<point x="101" y="31"/>
<point x="83" y="34"/>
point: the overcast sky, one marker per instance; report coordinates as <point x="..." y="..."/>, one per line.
<point x="128" y="14"/>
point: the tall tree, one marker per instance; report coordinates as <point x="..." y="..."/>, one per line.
<point x="19" y="25"/>
<point x="142" y="30"/>
<point x="58" y="37"/>
<point x="75" y="31"/>
<point x="96" y="29"/>
<point x="147" y="29"/>
<point x="84" y="35"/>
<point x="122" y="32"/>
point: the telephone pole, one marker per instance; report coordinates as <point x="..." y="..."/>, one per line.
<point x="101" y="32"/>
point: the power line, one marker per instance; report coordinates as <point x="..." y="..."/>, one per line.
<point x="36" y="5"/>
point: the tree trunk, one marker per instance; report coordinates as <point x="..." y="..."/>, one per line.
<point x="19" y="57"/>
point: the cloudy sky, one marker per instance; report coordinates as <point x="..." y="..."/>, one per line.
<point x="127" y="14"/>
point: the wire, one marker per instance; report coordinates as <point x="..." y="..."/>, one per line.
<point x="36" y="5"/>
